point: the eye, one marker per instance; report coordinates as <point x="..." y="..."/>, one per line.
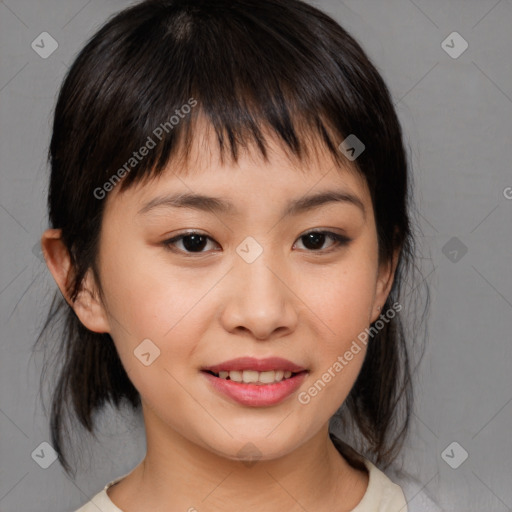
<point x="314" y="240"/>
<point x="192" y="242"/>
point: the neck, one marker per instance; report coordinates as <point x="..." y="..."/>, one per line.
<point x="185" y="476"/>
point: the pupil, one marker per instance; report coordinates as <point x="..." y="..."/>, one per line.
<point x="194" y="242"/>
<point x="317" y="240"/>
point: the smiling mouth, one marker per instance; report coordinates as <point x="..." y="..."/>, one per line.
<point x="255" y="377"/>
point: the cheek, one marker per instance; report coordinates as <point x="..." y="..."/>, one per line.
<point x="151" y="300"/>
<point x="139" y="294"/>
<point x="340" y="344"/>
<point x="342" y="300"/>
<point x="154" y="314"/>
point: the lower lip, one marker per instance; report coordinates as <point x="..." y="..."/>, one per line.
<point x="255" y="395"/>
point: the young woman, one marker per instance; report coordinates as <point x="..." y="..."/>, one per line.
<point x="230" y="234"/>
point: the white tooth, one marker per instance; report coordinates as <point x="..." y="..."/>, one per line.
<point x="267" y="377"/>
<point x="255" y="377"/>
<point x="250" y="376"/>
<point x="279" y="375"/>
<point x="235" y="375"/>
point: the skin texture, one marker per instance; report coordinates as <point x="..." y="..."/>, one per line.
<point x="294" y="302"/>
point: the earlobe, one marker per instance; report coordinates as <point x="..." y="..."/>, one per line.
<point x="87" y="305"/>
<point x="89" y="308"/>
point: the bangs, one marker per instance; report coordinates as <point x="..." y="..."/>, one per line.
<point x="157" y="69"/>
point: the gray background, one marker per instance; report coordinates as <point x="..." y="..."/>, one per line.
<point x="457" y="120"/>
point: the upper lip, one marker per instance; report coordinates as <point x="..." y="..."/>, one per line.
<point x="251" y="363"/>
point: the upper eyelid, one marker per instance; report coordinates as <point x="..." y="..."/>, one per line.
<point x="192" y="232"/>
<point x="312" y="230"/>
<point x="336" y="237"/>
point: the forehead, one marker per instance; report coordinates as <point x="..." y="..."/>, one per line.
<point x="205" y="152"/>
<point x="205" y="167"/>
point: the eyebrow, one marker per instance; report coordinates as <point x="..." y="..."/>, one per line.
<point x="216" y="204"/>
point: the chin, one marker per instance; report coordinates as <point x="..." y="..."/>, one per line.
<point x="253" y="447"/>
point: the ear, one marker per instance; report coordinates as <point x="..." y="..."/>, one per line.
<point x="87" y="305"/>
<point x="385" y="278"/>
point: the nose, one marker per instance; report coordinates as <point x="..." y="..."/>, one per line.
<point x="259" y="299"/>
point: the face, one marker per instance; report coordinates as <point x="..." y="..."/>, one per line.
<point x="273" y="275"/>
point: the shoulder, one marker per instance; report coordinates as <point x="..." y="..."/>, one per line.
<point x="418" y="498"/>
<point x="395" y="491"/>
<point x="101" y="501"/>
<point x="382" y="494"/>
<point x="416" y="492"/>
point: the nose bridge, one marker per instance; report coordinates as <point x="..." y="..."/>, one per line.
<point x="259" y="301"/>
<point x="256" y="270"/>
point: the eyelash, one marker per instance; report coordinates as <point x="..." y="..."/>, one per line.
<point x="341" y="241"/>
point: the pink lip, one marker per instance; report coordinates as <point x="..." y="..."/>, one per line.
<point x="257" y="395"/>
<point x="259" y="365"/>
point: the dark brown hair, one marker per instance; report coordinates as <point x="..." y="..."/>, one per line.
<point x="250" y="65"/>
